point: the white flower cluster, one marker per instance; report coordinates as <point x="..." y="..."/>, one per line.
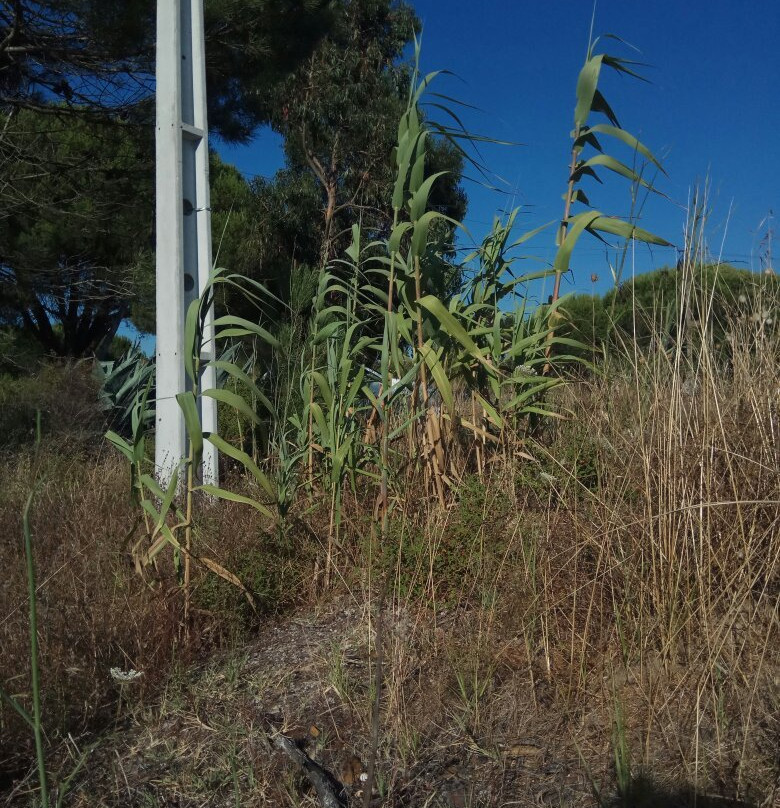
<point x="762" y="318"/>
<point x="124" y="676"/>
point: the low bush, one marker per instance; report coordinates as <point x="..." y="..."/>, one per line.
<point x="62" y="395"/>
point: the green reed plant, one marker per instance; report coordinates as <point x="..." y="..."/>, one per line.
<point x="495" y="351"/>
<point x="135" y="452"/>
<point x="170" y="522"/>
<point x="622" y="754"/>
<point x="35" y="720"/>
<point x="586" y="136"/>
<point x="458" y="341"/>
<point x="333" y="390"/>
<point x="427" y="342"/>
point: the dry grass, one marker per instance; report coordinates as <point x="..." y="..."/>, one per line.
<point x="599" y="625"/>
<point x="95" y="612"/>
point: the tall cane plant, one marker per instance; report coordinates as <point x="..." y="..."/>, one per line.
<point x="588" y="155"/>
<point x="170" y="513"/>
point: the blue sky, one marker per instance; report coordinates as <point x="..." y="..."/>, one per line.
<point x="711" y="111"/>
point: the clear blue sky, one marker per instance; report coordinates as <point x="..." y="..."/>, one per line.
<point x="712" y="109"/>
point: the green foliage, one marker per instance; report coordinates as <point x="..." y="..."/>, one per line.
<point x="338" y="113"/>
<point x="585" y="140"/>
<point x="388" y="309"/>
<point x="501" y="355"/>
<point x="447" y="564"/>
<point x="652" y="308"/>
<point x="232" y="217"/>
<point x="34" y="720"/>
<point x="584" y="318"/>
<point x="714" y="294"/>
<point x="252" y="46"/>
<point x="335" y="400"/>
<point x="378" y="306"/>
<point x="122" y="383"/>
<point x="159" y="504"/>
<point x="270" y="568"/>
<point x="94" y="54"/>
<point x="20" y="353"/>
<point x="267" y="230"/>
<point x="579" y="461"/>
<point x="120" y="345"/>
<point x="75" y="232"/>
<point x="97" y="56"/>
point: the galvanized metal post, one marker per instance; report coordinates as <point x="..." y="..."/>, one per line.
<point x="183" y="222"/>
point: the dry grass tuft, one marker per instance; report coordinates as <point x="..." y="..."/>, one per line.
<point x="95" y="612"/>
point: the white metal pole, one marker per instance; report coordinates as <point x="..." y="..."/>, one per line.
<point x="183" y="223"/>
<point x="170" y="439"/>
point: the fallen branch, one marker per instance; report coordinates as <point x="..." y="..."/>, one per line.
<point x="329" y="791"/>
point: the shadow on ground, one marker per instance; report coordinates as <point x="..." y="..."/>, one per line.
<point x="645" y="793"/>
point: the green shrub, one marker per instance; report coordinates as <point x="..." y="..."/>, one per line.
<point x="119" y="346"/>
<point x="585" y="319"/>
<point x="269" y="566"/>
<point x="453" y="558"/>
<point x="651" y="307"/>
<point x="64" y="394"/>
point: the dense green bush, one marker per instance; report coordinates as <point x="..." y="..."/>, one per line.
<point x="271" y="567"/>
<point x="716" y="293"/>
<point x="586" y="320"/>
<point x="652" y="308"/>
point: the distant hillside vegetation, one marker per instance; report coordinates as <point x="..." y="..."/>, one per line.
<point x="652" y="308"/>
